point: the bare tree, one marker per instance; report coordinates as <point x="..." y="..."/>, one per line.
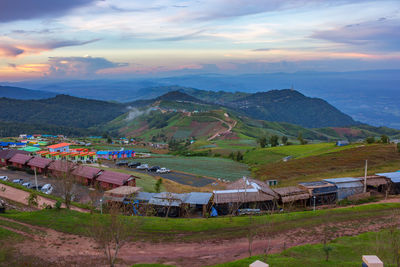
<point x="112" y="232"/>
<point x="66" y="182"/>
<point x="94" y="195"/>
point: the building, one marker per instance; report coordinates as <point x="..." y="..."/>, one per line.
<point x="110" y="155"/>
<point x="168" y="204"/>
<point x="7" y="154"/>
<point x="40" y="164"/>
<point x="20" y="160"/>
<point x="376" y="184"/>
<point x="244" y="193"/>
<point x="120" y="194"/>
<point x="110" y="179"/>
<point x="197" y="203"/>
<point x="61" y="168"/>
<point x="85" y="174"/>
<point x="292" y="196"/>
<point x="347" y="186"/>
<point x="61" y="147"/>
<point x="342" y="143"/>
<point x="322" y="193"/>
<point x="394" y="181"/>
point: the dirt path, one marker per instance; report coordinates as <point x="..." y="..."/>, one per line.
<point x="60" y="247"/>
<point x="21" y="196"/>
<point x="230" y="127"/>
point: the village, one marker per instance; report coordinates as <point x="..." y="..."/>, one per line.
<point x="243" y="196"/>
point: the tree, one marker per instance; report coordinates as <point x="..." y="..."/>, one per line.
<point x="262" y="141"/>
<point x="274" y="140"/>
<point x="32" y="199"/>
<point x="109" y="140"/>
<point x="157" y="186"/>
<point x="284" y="140"/>
<point x="66" y="182"/>
<point x="112" y="231"/>
<point x="385" y="139"/>
<point x="398" y="147"/>
<point x="301" y="140"/>
<point x="239" y="156"/>
<point x="370" y="140"/>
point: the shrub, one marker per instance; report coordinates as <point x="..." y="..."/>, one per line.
<point x="58" y="205"/>
<point x="32" y="200"/>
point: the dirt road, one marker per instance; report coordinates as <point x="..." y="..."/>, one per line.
<point x="21" y="196"/>
<point x="59" y="247"/>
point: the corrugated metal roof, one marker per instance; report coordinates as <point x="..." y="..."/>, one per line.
<point x="39" y="162"/>
<point x="342" y="180"/>
<point x="198" y="198"/>
<point x="20" y="158"/>
<point x="393" y="176"/>
<point x="144" y="196"/>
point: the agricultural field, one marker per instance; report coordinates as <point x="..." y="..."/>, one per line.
<point x="342" y="163"/>
<point x="273" y="154"/>
<point x="202" y="166"/>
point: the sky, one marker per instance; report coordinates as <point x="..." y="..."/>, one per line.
<point x="91" y="39"/>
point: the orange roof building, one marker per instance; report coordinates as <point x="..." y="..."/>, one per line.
<point x="61" y="147"/>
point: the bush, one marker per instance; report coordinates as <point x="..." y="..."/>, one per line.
<point x="370" y="140"/>
<point x="58" y="205"/>
<point x="398" y="147"/>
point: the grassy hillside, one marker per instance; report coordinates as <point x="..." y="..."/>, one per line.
<point x="342" y="163"/>
<point x="345" y="251"/>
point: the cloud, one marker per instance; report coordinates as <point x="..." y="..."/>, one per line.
<point x="12" y="10"/>
<point x="382" y="34"/>
<point x="79" y="66"/>
<point x="261" y="50"/>
<point x="14" y="48"/>
<point x="10" y="50"/>
<point x="189" y="36"/>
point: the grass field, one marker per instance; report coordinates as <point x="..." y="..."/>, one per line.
<point x="185" y="229"/>
<point x="344" y="163"/>
<point x="274" y="154"/>
<point x="202" y="166"/>
<point x="346" y="251"/>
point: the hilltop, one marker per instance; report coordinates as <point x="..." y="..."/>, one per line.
<point x="22" y="93"/>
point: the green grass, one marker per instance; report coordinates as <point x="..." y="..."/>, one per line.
<point x="273" y="154"/>
<point x="7" y="234"/>
<point x="189" y="229"/>
<point x="202" y="166"/>
<point x="346" y="251"/>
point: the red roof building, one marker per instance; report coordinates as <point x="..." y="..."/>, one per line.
<point x="86" y="174"/>
<point x="110" y="179"/>
<point x="20" y="160"/>
<point x="59" y="168"/>
<point x="40" y="164"/>
<point x="7" y="154"/>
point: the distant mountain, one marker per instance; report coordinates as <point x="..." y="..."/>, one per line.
<point x="22" y="93"/>
<point x="178" y="96"/>
<point x="292" y="107"/>
<point x="61" y="110"/>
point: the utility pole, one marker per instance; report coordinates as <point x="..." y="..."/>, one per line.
<point x="365" y="176"/>
<point x="35" y="179"/>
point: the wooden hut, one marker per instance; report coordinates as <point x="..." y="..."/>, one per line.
<point x="7" y="154"/>
<point x="168" y="204"/>
<point x="61" y="168"/>
<point x="20" y="160"/>
<point x="346" y="186"/>
<point x="323" y="193"/>
<point x="376" y="184"/>
<point x="197" y="203"/>
<point x="85" y="174"/>
<point x="110" y="179"/>
<point x="292" y="196"/>
<point x="40" y="164"/>
<point x="394" y="181"/>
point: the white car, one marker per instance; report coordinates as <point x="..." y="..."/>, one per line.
<point x="163" y="170"/>
<point x="143" y="167"/>
<point x="47" y="189"/>
<point x="27" y="184"/>
<point x="4" y="178"/>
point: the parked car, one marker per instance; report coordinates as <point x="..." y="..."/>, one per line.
<point x="134" y="164"/>
<point x="122" y="163"/>
<point x="27" y="184"/>
<point x="38" y="188"/>
<point x="47" y="189"/>
<point x="143" y="167"/>
<point x="163" y="170"/>
<point x="154" y="169"/>
<point x="4" y="178"/>
<point x="18" y="181"/>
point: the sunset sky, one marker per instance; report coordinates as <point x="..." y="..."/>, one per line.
<point x="89" y="39"/>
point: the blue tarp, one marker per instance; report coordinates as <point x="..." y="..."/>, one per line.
<point x="393" y="176"/>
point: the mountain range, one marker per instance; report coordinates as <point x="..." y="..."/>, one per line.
<point x="367" y="96"/>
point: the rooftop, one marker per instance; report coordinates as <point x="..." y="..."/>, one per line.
<point x="39" y="162"/>
<point x="86" y="171"/>
<point x="20" y="158"/>
<point x="59" y="145"/>
<point x="114" y="177"/>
